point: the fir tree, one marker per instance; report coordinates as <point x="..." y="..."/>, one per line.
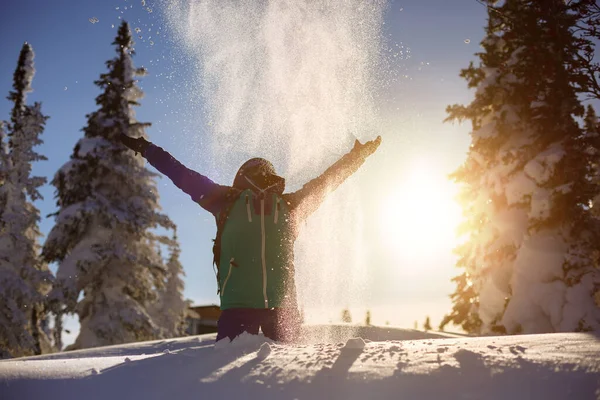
<point x="24" y="280"/>
<point x="346" y="317"/>
<point x="466" y="303"/>
<point x="530" y="258"/>
<point x="108" y="208"/>
<point x="427" y="324"/>
<point x="171" y="308"/>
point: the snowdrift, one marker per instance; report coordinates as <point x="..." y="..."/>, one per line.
<point x="333" y="362"/>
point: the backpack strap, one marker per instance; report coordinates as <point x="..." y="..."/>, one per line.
<point x="230" y="197"/>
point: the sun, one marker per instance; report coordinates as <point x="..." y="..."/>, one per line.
<point x="420" y="216"/>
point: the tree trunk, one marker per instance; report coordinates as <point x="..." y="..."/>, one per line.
<point x="58" y="331"/>
<point x="35" y="330"/>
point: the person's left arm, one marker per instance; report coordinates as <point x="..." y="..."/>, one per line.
<point x="306" y="200"/>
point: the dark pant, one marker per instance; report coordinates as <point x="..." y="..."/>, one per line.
<point x="279" y="324"/>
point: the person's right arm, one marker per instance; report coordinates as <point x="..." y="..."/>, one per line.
<point x="200" y="188"/>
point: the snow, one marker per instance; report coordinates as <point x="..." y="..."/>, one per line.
<point x="492" y="295"/>
<point x="244" y="340"/>
<point x="88" y="145"/>
<point x="541" y="299"/>
<point x="27" y="68"/>
<point x="412" y="365"/>
<point x="355" y="343"/>
<point x="542" y="167"/>
<point x="264" y="351"/>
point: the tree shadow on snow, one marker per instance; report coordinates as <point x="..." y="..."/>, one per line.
<point x="131" y="349"/>
<point x="474" y="378"/>
<point x="170" y="375"/>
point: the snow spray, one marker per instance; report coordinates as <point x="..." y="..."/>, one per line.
<point x="293" y="81"/>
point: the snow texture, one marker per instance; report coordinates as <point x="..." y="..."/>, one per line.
<point x="414" y="365"/>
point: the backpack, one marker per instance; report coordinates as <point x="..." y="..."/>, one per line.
<point x="221" y="218"/>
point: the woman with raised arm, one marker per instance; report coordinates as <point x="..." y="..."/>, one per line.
<point x="257" y="224"/>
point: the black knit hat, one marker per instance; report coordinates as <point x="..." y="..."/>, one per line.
<point x="261" y="173"/>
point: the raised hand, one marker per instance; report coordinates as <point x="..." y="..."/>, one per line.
<point x="138" y="145"/>
<point x="367" y="148"/>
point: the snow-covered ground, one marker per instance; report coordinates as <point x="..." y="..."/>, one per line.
<point x="333" y="362"/>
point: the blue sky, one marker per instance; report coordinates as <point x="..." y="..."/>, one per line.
<point x="439" y="38"/>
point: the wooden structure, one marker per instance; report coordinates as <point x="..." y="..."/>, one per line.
<point x="203" y="319"/>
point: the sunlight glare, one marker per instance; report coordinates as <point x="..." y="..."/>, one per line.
<point x="420" y="216"/>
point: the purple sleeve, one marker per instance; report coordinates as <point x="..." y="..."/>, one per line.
<point x="306" y="200"/>
<point x="200" y="188"/>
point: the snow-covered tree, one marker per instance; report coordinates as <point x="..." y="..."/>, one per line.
<point x="531" y="259"/>
<point x="427" y="324"/>
<point x="490" y="251"/>
<point x="24" y="279"/>
<point x="170" y="310"/>
<point x="346" y="316"/>
<point x="108" y="208"/>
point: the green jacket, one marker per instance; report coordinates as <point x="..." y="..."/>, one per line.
<point x="256" y="262"/>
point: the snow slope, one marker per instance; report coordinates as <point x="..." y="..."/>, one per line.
<point x="329" y="364"/>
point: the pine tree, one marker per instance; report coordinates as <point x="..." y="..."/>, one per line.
<point x="346" y="317"/>
<point x="530" y="261"/>
<point x="368" y="318"/>
<point x="171" y="308"/>
<point x="24" y="279"/>
<point x="466" y="303"/>
<point x="427" y="324"/>
<point x="108" y="209"/>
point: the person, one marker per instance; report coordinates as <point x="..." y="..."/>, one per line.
<point x="257" y="224"/>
